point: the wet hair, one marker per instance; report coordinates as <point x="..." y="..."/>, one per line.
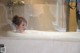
<point x="18" y="20"/>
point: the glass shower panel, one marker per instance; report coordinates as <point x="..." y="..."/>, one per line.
<point x="60" y="18"/>
<point x="44" y="15"/>
<point x="3" y="15"/>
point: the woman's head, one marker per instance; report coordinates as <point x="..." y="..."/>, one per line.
<point x="20" y="23"/>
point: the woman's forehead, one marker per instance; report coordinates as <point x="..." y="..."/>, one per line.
<point x="23" y="23"/>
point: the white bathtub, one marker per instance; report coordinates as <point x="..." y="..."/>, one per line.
<point x="32" y="41"/>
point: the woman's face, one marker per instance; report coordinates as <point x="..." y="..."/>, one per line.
<point x="22" y="27"/>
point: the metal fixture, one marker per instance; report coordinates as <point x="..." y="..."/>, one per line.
<point x="15" y="3"/>
<point x="2" y="48"/>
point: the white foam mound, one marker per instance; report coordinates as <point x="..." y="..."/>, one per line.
<point x="33" y="34"/>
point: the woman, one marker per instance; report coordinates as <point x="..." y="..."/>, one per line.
<point x="20" y="23"/>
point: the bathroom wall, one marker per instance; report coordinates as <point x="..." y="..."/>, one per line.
<point x="40" y="14"/>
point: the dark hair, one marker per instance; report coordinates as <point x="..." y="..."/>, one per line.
<point x="17" y="20"/>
